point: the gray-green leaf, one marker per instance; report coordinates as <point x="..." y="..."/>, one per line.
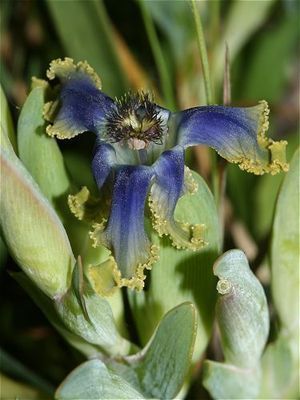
<point x="164" y="363"/>
<point x="285" y="252"/>
<point x="86" y="34"/>
<point x="159" y="370"/>
<point x="226" y="381"/>
<point x="93" y="381"/>
<point x="33" y="232"/>
<point x="6" y="127"/>
<point x="242" y="310"/>
<point x="242" y="316"/>
<point x="40" y="153"/>
<point x="280" y="375"/>
<point x="95" y="323"/>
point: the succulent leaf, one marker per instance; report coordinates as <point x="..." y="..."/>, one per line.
<point x="242" y="311"/>
<point x="242" y="316"/>
<point x="32" y="230"/>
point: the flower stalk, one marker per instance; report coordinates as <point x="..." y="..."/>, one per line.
<point x="158" y="56"/>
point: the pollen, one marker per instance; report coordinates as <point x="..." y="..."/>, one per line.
<point x="134" y="120"/>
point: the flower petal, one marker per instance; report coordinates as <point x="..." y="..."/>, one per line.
<point x="237" y="134"/>
<point x="81" y="104"/>
<point x="125" y="232"/>
<point x="165" y="192"/>
<point x="103" y="161"/>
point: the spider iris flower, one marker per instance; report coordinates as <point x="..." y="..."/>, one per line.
<point x="139" y="156"/>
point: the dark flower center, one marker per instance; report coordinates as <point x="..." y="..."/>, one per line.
<point x="134" y="119"/>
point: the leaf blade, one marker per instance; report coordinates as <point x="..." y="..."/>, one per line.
<point x="92" y="380"/>
<point x="85" y="31"/>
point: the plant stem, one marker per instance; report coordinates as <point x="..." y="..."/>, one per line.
<point x="203" y="53"/>
<point x="214" y="22"/>
<point x="208" y="91"/>
<point x="159" y="59"/>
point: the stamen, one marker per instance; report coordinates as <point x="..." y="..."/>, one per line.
<point x="136" y="121"/>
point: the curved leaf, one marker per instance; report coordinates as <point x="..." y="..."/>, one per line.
<point x="85" y="32"/>
<point x="93" y="381"/>
<point x="242" y="316"/>
<point x="39" y="152"/>
<point x="32" y="230"/>
<point x="6" y="127"/>
<point x="285" y="251"/>
<point x="242" y="310"/>
<point x="164" y="363"/>
<point x="226" y="381"/>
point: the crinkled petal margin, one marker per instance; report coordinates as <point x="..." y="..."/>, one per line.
<point x="172" y="180"/>
<point x="124" y="232"/>
<point x="79" y="104"/>
<point x="237" y="134"/>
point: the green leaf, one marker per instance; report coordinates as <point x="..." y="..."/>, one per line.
<point x="79" y="167"/>
<point x="285" y="275"/>
<point x="39" y="152"/>
<point x="183" y="275"/>
<point x="242" y="310"/>
<point x="91" y="318"/>
<point x="93" y="381"/>
<point x="225" y="381"/>
<point x="48" y="308"/>
<point x="157" y="371"/>
<point x="244" y="17"/>
<point x="86" y="34"/>
<point x="164" y="363"/>
<point x="285" y="252"/>
<point x="277" y="42"/>
<point x="6" y="127"/>
<point x="242" y="316"/>
<point x="170" y="19"/>
<point x="265" y="193"/>
<point x="32" y="230"/>
<point x="280" y="379"/>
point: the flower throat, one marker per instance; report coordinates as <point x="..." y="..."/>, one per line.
<point x="135" y="120"/>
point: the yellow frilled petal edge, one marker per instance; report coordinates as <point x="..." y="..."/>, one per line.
<point x="277" y="150"/>
<point x="63" y="70"/>
<point x="137" y="281"/>
<point x="106" y="277"/>
<point x="182" y="234"/>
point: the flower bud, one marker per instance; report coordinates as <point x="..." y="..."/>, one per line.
<point x="33" y="232"/>
<point x="242" y="311"/>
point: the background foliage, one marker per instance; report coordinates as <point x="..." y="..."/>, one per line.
<point x="116" y="38"/>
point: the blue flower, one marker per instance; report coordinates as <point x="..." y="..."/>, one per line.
<point x="139" y="156"/>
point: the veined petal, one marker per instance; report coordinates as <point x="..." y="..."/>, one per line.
<point x="85" y="206"/>
<point x="81" y="105"/>
<point x="103" y="161"/>
<point x="237" y="134"/>
<point x="164" y="194"/>
<point x="125" y="232"/>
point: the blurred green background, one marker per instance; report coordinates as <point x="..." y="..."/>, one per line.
<point x="150" y="46"/>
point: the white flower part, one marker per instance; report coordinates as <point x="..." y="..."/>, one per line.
<point x="224" y="286"/>
<point x="136" y="144"/>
